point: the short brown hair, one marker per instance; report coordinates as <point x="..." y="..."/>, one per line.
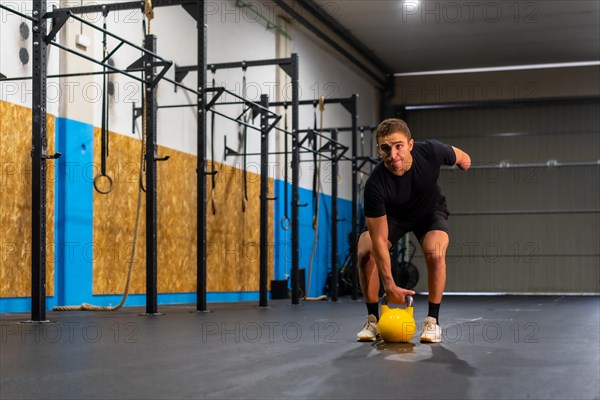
<point x="392" y="125"/>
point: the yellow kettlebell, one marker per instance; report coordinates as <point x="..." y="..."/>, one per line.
<point x="397" y="324"/>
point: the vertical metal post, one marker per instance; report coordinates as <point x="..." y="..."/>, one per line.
<point x="201" y="162"/>
<point x="151" y="198"/>
<point x="295" y="179"/>
<point x="355" y="220"/>
<point x="38" y="176"/>
<point x="334" y="215"/>
<point x="264" y="199"/>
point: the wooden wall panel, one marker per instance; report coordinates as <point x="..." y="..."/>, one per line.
<point x="232" y="235"/>
<point x="15" y="202"/>
<point x="176" y="222"/>
<point x="114" y="219"/>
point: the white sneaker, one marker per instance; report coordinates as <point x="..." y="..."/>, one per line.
<point x="369" y="332"/>
<point x="432" y="332"/>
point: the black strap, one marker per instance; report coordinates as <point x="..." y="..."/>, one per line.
<point x="104" y="144"/>
<point x="285" y="221"/>
<point x="245" y="150"/>
<point x="313" y="137"/>
<point x="143" y="97"/>
<point x="212" y="140"/>
<point x="104" y="129"/>
<point x="212" y="154"/>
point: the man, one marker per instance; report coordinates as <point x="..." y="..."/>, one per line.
<point x="402" y="195"/>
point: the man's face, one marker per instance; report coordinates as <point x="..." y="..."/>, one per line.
<point x="395" y="151"/>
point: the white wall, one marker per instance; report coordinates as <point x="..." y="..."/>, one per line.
<point x="19" y="92"/>
<point x="233" y="35"/>
<point x="324" y="73"/>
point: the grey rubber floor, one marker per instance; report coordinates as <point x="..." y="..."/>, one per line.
<point x="508" y="347"/>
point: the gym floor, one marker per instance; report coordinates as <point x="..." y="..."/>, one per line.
<point x="495" y="347"/>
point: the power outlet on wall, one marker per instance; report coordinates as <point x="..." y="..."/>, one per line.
<point x="82" y="41"/>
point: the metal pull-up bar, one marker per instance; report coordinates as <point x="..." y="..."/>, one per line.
<point x="120" y="6"/>
<point x="147" y="55"/>
<point x="285" y="63"/>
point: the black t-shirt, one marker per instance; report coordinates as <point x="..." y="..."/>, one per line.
<point x="414" y="194"/>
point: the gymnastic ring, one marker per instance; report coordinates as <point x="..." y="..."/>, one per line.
<point x="285" y="223"/>
<point x="110" y="184"/>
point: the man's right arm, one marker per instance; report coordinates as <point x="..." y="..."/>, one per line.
<point x="378" y="230"/>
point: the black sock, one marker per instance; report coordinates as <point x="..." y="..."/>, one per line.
<point x="373" y="308"/>
<point x="434" y="311"/>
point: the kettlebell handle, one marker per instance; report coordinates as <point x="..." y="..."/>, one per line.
<point x="409" y="300"/>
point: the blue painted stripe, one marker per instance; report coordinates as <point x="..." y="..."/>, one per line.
<point x="175" y="298"/>
<point x="74" y="204"/>
<point x="322" y="259"/>
<point x="16" y="304"/>
<point x="23" y="304"/>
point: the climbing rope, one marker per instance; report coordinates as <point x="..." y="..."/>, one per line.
<point x="90" y="307"/>
<point x="149" y="13"/>
<point x="318" y="188"/>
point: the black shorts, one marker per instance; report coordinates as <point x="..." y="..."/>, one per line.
<point x="437" y="220"/>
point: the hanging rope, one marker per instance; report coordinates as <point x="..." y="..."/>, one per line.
<point x="242" y="136"/>
<point x="317" y="190"/>
<point x="149" y="13"/>
<point x="91" y="307"/>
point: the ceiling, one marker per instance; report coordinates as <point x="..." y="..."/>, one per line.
<point x="427" y="35"/>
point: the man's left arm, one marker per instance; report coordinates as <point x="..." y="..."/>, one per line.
<point x="463" y="161"/>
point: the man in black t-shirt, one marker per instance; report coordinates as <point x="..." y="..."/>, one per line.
<point x="402" y="195"/>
